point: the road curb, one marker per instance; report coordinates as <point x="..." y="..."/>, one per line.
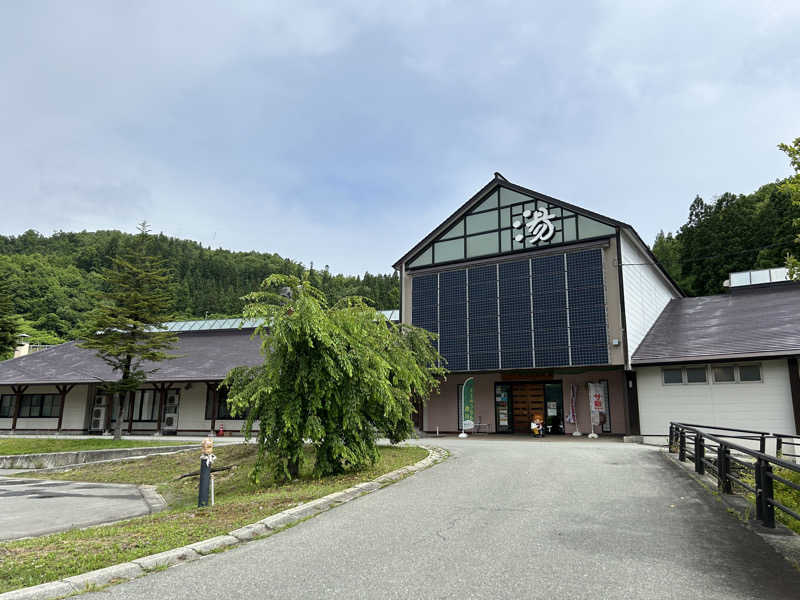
<point x="143" y="565"/>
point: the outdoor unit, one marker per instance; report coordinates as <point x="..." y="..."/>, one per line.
<point x="99" y="416"/>
<point x="171" y="413"/>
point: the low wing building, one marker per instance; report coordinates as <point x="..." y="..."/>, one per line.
<point x="59" y="389"/>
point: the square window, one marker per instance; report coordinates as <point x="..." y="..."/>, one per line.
<point x="695" y="375"/>
<point x="672" y="376"/>
<point x="750" y="373"/>
<point x="487" y="243"/>
<point x="724" y="375"/>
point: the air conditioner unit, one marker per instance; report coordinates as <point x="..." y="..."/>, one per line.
<point x="98" y="418"/>
<point x="170" y="415"/>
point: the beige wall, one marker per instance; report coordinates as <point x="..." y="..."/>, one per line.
<point x="75" y="409"/>
<point x="442" y="409"/>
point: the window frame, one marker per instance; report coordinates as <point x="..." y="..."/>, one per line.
<point x="223" y="409"/>
<point x="664" y="382"/>
<point x="11" y="398"/>
<point x="760" y="373"/>
<point x="710" y="375"/>
<point x="26" y="403"/>
<point x="706" y="381"/>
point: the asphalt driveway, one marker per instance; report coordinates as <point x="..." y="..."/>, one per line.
<point x="32" y="507"/>
<point x="504" y="519"/>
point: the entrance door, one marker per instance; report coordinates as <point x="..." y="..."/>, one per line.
<point x="528" y="400"/>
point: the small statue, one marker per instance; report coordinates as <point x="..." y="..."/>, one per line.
<point x="537" y="427"/>
<point x="207" y="445"/>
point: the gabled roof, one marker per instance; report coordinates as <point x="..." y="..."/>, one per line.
<point x="202" y="355"/>
<point x="761" y="322"/>
<point x="496" y="182"/>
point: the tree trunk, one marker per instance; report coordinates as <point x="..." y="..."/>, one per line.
<point x="120" y="408"/>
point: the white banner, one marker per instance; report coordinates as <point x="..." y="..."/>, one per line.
<point x="597" y="402"/>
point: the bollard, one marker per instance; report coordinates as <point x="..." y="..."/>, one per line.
<point x="206" y="460"/>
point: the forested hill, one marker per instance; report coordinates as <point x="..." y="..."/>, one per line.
<point x="731" y="233"/>
<point x="52" y="276"/>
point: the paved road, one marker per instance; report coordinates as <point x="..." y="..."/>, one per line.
<point x="35" y="507"/>
<point x="504" y="519"/>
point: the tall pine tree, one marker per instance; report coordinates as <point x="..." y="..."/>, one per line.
<point x="9" y="322"/>
<point x="126" y="327"/>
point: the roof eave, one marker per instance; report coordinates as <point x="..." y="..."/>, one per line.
<point x="672" y="360"/>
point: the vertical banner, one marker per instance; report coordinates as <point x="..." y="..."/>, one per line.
<point x="468" y="404"/>
<point x="597" y="404"/>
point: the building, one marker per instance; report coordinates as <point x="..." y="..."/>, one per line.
<point x="728" y="360"/>
<point x="59" y="389"/>
<point x="534" y="299"/>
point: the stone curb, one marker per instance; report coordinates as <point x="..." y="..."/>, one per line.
<point x="155" y="501"/>
<point x="57" y="461"/>
<point x="141" y="566"/>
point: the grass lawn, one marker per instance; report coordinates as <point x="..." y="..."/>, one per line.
<point x="13" y="445"/>
<point x="238" y="503"/>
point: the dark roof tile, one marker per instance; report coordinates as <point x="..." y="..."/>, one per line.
<point x="746" y="323"/>
<point x="202" y="355"/>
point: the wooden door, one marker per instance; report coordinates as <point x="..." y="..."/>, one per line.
<point x="528" y="399"/>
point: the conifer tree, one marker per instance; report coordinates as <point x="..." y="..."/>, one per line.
<point x="9" y="322"/>
<point x="338" y="376"/>
<point x="126" y="327"/>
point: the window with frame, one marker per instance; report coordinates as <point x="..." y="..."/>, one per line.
<point x="696" y="374"/>
<point x="724" y="374"/>
<point x="223" y="410"/>
<point x="749" y="373"/>
<point x="7" y="405"/>
<point x="39" y="406"/>
<point x="145" y="406"/>
<point x="672" y="376"/>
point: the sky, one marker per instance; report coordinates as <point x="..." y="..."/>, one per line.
<point x="341" y="133"/>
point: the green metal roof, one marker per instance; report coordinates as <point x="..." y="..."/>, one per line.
<point x="212" y="324"/>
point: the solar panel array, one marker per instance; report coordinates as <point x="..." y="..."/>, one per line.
<point x="483" y="342"/>
<point x="547" y="311"/>
<point x="453" y="319"/>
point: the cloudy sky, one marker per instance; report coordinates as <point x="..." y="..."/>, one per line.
<point x="342" y="132"/>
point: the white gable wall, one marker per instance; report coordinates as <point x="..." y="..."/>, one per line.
<point x="646" y="291"/>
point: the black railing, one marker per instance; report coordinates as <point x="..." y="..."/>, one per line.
<point x="712" y="453"/>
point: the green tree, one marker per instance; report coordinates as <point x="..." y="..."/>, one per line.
<point x="126" y="325"/>
<point x="791" y="186"/>
<point x="338" y="376"/>
<point x="9" y="322"/>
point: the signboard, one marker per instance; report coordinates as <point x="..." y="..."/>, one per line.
<point x="501" y="402"/>
<point x="538" y="223"/>
<point x="597" y="403"/>
<point x="468" y="404"/>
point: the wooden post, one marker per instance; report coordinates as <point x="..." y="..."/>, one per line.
<point x="161" y="388"/>
<point x="63" y="390"/>
<point x="212" y="387"/>
<point x="18" y="391"/>
<point x="131" y="396"/>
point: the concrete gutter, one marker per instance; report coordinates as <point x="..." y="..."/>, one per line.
<point x="93" y="580"/>
<point x="80" y="457"/>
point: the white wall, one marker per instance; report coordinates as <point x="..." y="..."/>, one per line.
<point x="764" y="406"/>
<point x="646" y="291"/>
<point x="74" y="409"/>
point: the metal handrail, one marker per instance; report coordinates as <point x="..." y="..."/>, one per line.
<point x="762" y="466"/>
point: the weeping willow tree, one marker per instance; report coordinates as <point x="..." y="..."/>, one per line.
<point x="337" y="377"/>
